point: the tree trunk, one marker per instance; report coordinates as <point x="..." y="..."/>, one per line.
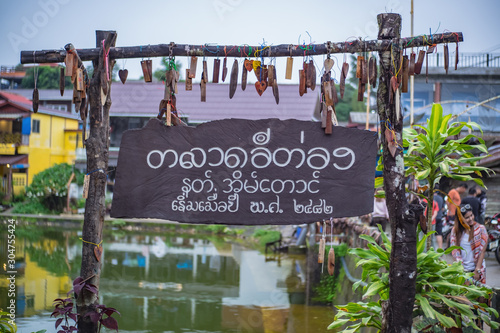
<point x="97" y="165"/>
<point x="397" y="311"/>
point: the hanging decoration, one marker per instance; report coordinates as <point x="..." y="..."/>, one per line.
<point x="274" y="85"/>
<point x="215" y="77"/>
<point x="420" y="62"/>
<point x="233" y="80"/>
<point x="61" y="80"/>
<point x="189" y="81"/>
<point x="289" y="65"/>
<point x="167" y="105"/>
<point x="404" y="76"/>
<point x="373" y="72"/>
<point x="35" y="97"/>
<point x="321" y="252"/>
<point x="446" y="58"/>
<point x="192" y="67"/>
<point x="224" y="66"/>
<point x="411" y="65"/>
<point x="147" y="70"/>
<point x="123" y="74"/>
<point x="331" y="253"/>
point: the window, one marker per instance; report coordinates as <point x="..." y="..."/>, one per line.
<point x="35" y="126"/>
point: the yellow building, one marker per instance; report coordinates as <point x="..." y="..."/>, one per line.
<point x="32" y="142"/>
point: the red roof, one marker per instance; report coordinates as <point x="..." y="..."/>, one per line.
<point x="21" y="103"/>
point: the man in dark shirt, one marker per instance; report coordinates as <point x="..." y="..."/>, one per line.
<point x="473" y="202"/>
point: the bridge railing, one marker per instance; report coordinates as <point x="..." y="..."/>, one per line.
<point x="466" y="59"/>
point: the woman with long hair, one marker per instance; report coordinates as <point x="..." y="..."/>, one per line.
<point x="473" y="243"/>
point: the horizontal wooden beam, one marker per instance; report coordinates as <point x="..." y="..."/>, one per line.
<point x="283" y="50"/>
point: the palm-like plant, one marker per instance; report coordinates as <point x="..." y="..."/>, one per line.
<point x="432" y="153"/>
<point x="443" y="300"/>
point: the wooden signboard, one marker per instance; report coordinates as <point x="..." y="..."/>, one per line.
<point x="237" y="171"/>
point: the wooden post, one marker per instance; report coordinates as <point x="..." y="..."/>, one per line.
<point x="97" y="165"/>
<point x="398" y="310"/>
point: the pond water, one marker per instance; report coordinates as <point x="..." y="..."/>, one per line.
<point x="167" y="281"/>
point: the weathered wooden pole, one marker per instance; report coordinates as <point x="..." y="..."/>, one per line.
<point x="240" y="51"/>
<point x="97" y="166"/>
<point x="397" y="312"/>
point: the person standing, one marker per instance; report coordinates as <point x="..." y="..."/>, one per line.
<point x="454" y="200"/>
<point x="439" y="218"/>
<point x="481" y="195"/>
<point x="473" y="202"/>
<point x="380" y="213"/>
<point x="473" y="243"/>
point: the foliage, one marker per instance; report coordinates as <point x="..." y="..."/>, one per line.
<point x="327" y="288"/>
<point x="119" y="223"/>
<point x="430" y="156"/>
<point x="108" y="321"/>
<point x="441" y="290"/>
<point x="266" y="236"/>
<point x="6" y="324"/>
<point x="48" y="78"/>
<point x="30" y="207"/>
<point x="219" y="229"/>
<point x="64" y="308"/>
<point x="49" y="186"/>
<point x="159" y="74"/>
<point x="55" y="263"/>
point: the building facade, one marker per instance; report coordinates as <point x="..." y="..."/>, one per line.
<point x="32" y="142"/>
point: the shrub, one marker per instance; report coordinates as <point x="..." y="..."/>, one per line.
<point x="442" y="296"/>
<point x="49" y="186"/>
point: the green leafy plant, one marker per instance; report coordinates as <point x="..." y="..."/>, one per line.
<point x="432" y="155"/>
<point x="6" y="324"/>
<point x="327" y="288"/>
<point x="49" y="186"/>
<point x="442" y="295"/>
<point x="266" y="236"/>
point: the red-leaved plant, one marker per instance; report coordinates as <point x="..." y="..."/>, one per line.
<point x="64" y="308"/>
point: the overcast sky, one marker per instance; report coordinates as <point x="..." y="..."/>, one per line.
<point x="50" y="24"/>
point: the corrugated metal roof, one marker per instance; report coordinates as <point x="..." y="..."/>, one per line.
<point x="12" y="159"/>
<point x="25" y="104"/>
<point x="140" y="99"/>
<point x="143" y="99"/>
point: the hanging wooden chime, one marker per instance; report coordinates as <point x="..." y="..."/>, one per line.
<point x="123" y="73"/>
<point x="244" y="74"/>
<point x="224" y="69"/>
<point x="233" y="80"/>
<point x="192" y="67"/>
<point x="343" y="76"/>
<point x="215" y="77"/>
<point x="61" y="80"/>
<point x="147" y="70"/>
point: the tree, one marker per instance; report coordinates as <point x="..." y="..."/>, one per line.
<point x="431" y="154"/>
<point x="48" y="78"/>
<point x="49" y="186"/>
<point x="166" y="64"/>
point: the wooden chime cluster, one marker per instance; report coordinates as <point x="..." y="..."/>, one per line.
<point x="328" y="96"/>
<point x="366" y="72"/>
<point x="331" y="253"/>
<point x="168" y="105"/>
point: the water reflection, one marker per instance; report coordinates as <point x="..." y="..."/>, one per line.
<point x="167" y="282"/>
